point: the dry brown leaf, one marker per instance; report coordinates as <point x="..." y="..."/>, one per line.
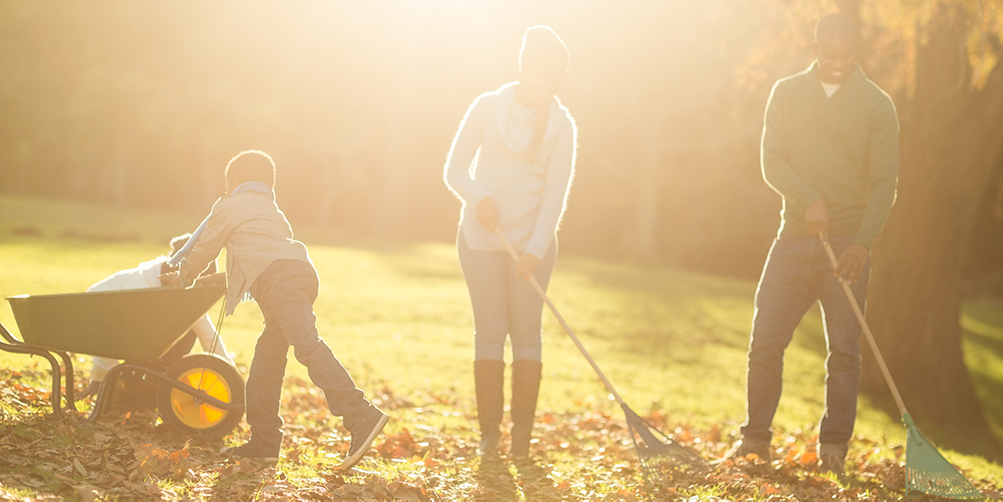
<point x="79" y="467"/>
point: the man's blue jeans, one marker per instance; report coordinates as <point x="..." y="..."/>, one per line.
<point x="796" y="275"/>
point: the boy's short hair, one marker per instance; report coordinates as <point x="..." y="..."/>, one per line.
<point x="250" y="165"/>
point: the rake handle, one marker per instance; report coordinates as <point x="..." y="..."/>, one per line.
<point x="867" y="330"/>
<point x="560" y="319"/>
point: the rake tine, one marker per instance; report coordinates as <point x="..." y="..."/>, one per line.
<point x="927" y="471"/>
<point x="672" y="453"/>
<point x="679" y="457"/>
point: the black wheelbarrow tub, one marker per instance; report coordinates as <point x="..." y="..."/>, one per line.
<point x="137" y="325"/>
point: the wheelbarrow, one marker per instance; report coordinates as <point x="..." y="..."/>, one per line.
<point x="200" y="393"/>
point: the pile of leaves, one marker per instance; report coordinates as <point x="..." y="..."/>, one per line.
<point x="427" y="453"/>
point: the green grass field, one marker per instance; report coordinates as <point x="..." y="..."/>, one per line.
<point x="673" y="342"/>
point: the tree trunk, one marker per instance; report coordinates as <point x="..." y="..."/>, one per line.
<point x="951" y="145"/>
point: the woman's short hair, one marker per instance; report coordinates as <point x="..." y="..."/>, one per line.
<point x="250" y="165"/>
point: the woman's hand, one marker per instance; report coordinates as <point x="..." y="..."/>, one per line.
<point x="487" y="213"/>
<point x="526" y="265"/>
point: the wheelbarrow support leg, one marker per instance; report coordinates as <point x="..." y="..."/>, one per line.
<point x="18" y="347"/>
<point x="105" y="394"/>
<point x="57" y="399"/>
<point x="68" y="375"/>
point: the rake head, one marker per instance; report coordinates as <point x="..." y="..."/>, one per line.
<point x="661" y="457"/>
<point x="927" y="471"/>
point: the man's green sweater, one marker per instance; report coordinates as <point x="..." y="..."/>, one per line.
<point x="843" y="149"/>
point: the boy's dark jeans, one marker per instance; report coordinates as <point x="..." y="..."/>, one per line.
<point x="796" y="275"/>
<point x="285" y="293"/>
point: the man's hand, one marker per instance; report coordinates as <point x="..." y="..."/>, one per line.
<point x="170" y="279"/>
<point x="817" y="217"/>
<point x="487" y="213"/>
<point x="526" y="265"/>
<point x="851" y="262"/>
<point x="90" y="391"/>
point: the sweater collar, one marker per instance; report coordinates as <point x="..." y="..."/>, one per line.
<point x="503" y="107"/>
<point x="256" y="187"/>
<point x="856" y="75"/>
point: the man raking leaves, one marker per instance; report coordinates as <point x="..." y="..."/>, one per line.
<point x="830" y="148"/>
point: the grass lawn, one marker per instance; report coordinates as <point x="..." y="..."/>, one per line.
<point x="397" y="314"/>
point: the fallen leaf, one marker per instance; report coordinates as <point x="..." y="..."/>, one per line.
<point x="80" y="467"/>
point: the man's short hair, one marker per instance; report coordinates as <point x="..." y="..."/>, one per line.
<point x="250" y="165"/>
<point x="836" y="26"/>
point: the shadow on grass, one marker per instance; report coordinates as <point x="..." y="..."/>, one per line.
<point x="495" y="482"/>
<point x="983" y="347"/>
<point x="536" y="485"/>
<point x="987" y="383"/>
<point x="656" y="313"/>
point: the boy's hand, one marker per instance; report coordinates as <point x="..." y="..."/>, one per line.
<point x="170" y="279"/>
<point x="217" y="279"/>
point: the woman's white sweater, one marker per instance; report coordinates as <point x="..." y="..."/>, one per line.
<point x="488" y="158"/>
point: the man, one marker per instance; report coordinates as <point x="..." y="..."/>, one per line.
<point x="830" y="149"/>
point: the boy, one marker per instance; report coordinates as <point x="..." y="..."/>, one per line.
<point x="263" y="259"/>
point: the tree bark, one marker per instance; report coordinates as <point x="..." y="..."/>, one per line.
<point x="951" y="146"/>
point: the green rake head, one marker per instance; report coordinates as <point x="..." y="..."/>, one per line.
<point x="927" y="471"/>
<point x="661" y="457"/>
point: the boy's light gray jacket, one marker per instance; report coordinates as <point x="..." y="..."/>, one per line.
<point x="255" y="233"/>
<point x="530" y="195"/>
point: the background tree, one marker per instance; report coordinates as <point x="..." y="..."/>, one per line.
<point x="952" y="134"/>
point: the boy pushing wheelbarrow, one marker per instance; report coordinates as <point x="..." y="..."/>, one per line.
<point x="264" y="260"/>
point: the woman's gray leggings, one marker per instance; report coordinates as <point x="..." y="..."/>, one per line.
<point x="503" y="303"/>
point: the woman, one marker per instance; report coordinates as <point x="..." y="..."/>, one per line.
<point x="526" y="141"/>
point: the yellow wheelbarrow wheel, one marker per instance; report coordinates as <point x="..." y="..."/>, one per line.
<point x="215" y="378"/>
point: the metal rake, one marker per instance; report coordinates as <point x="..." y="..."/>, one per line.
<point x="660" y="456"/>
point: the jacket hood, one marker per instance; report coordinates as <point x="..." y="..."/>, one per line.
<point x="557" y="119"/>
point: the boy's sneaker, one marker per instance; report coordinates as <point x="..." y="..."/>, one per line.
<point x="362" y="437"/>
<point x="255" y="450"/>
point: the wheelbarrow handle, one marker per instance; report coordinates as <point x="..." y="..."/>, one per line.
<point x="867" y="330"/>
<point x="560" y="320"/>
